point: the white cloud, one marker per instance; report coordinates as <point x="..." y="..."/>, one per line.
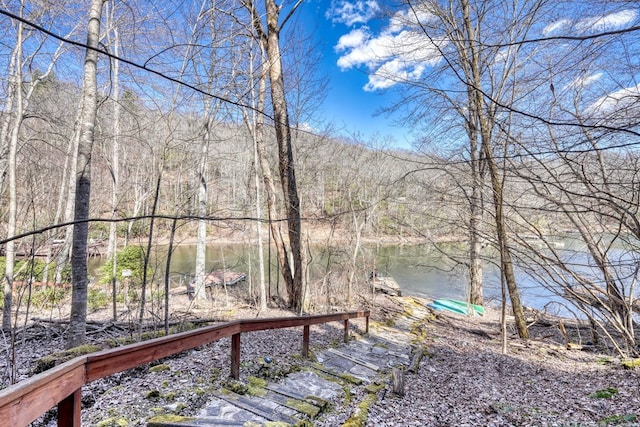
<point x="352" y="39"/>
<point x="392" y="72"/>
<point x="622" y="99"/>
<point x="554" y="26"/>
<point x="610" y="22"/>
<point x="398" y="53"/>
<point x="584" y="81"/>
<point x="405" y="18"/>
<point x="307" y="127"/>
<point x="352" y="12"/>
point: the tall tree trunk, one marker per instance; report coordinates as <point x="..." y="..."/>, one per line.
<point x="475" y="219"/>
<point x="477" y="107"/>
<point x="294" y="280"/>
<point x="78" y="319"/>
<point x="72" y="160"/>
<point x="112" y="246"/>
<point x="16" y="114"/>
<point x="147" y="256"/>
<point x="253" y="129"/>
<point x="269" y="185"/>
<point x="201" y="246"/>
<point x="114" y="40"/>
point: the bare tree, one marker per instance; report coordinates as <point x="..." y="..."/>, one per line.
<point x="268" y="35"/>
<point x="19" y="94"/>
<point x="461" y="32"/>
<point x="78" y="317"/>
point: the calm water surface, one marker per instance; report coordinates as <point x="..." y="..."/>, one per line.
<point x="419" y="269"/>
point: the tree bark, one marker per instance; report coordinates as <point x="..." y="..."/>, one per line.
<point x="16" y="114"/>
<point x="265" y="168"/>
<point x="78" y="318"/>
<point x="475" y="219"/>
<point x="292" y="270"/>
<point x="476" y="104"/>
<point x="201" y="246"/>
<point x="286" y="167"/>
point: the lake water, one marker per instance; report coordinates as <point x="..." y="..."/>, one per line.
<point x="419" y="269"/>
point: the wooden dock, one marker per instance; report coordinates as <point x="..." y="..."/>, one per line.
<point x="95" y="248"/>
<point x="385" y="284"/>
<point x="214" y="278"/>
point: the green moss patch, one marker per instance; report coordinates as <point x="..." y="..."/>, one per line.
<point x="113" y="422"/>
<point x="160" y="368"/>
<point x="256" y="387"/>
<point x="303" y="407"/>
<point x="606" y="393"/>
<point x="630" y="364"/>
<point x="374" y="387"/>
<point x="55" y="359"/>
<point x="236" y="387"/>
<point x="167" y="418"/>
<point x="359" y="417"/>
<point x="618" y="419"/>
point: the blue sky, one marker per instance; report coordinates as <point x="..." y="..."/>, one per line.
<point x="348" y="106"/>
<point x="365" y="53"/>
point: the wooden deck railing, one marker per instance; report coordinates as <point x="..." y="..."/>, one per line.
<point x="25" y="401"/>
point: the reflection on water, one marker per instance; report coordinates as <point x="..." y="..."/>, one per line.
<point x="420" y="270"/>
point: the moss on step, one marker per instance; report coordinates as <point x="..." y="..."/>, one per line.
<point x="236" y="387"/>
<point x="374" y="387"/>
<point x="256" y="386"/>
<point x="321" y="371"/>
<point x="169" y="418"/>
<point x="317" y="401"/>
<point x="359" y="417"/>
<point x="113" y="422"/>
<point x="303" y="407"/>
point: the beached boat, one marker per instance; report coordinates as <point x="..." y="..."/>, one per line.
<point x="456" y="306"/>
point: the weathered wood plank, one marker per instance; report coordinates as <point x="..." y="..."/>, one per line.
<point x="255" y="408"/>
<point x="69" y="410"/>
<point x="235" y="356"/>
<point x="354" y="359"/>
<point x="397" y="379"/>
<point x="108" y="362"/>
<point x="22" y="403"/>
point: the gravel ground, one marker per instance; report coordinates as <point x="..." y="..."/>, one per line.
<point x="467" y="381"/>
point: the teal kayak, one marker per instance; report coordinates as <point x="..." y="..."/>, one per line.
<point x="441" y="305"/>
<point x="456" y="306"/>
<point x="478" y="309"/>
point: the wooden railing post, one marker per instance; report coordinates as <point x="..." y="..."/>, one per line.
<point x="69" y="410"/>
<point x="305" y="341"/>
<point x="366" y="325"/>
<point x="346" y="330"/>
<point x="235" y="356"/>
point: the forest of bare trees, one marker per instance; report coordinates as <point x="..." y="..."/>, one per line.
<point x="133" y="123"/>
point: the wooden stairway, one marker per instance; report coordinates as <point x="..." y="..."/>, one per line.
<point x="299" y="398"/>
